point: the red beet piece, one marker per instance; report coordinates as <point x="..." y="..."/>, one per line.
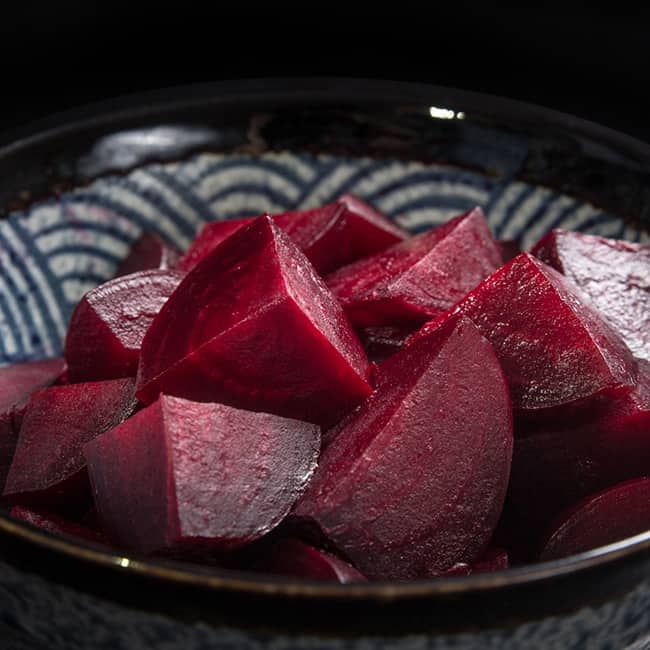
<point x="509" y="248"/>
<point x="209" y="237"/>
<point x="494" y="559"/>
<point x="57" y="525"/>
<point x="560" y="462"/>
<point x="185" y="474"/>
<point x="110" y="321"/>
<point x="19" y="381"/>
<point x="10" y="423"/>
<point x="253" y="326"/>
<point x="611" y="515"/>
<point x="414" y="480"/>
<point x="382" y="342"/>
<point x="150" y="251"/>
<point x="291" y="557"/>
<point x="614" y="275"/>
<point x="554" y="347"/>
<point x="48" y="467"/>
<point x="419" y="278"/>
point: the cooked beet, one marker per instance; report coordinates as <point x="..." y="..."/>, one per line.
<point x="509" y="248"/>
<point x="382" y="342"/>
<point x="48" y="467"/>
<point x="614" y="275"/>
<point x="182" y="474"/>
<point x="10" y="422"/>
<point x="18" y="381"/>
<point x="413" y="481"/>
<point x="604" y="518"/>
<point x="554" y="347"/>
<point x="419" y="278"/>
<point x="557" y="463"/>
<point x="57" y="525"/>
<point x="150" y="251"/>
<point x="209" y="237"/>
<point x="110" y="321"/>
<point x="494" y="559"/>
<point x="340" y="232"/>
<point x="253" y="326"/>
<point x="291" y="557"/>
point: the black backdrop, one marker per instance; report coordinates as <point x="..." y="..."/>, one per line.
<point x="590" y="61"/>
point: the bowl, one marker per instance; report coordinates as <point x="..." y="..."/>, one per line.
<point x="76" y="190"/>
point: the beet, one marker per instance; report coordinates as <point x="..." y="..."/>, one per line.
<point x="419" y="278"/>
<point x="611" y="515"/>
<point x="413" y="481"/>
<point x="209" y="237"/>
<point x="329" y="236"/>
<point x="291" y="557"/>
<point x="48" y="467"/>
<point x="554" y="347"/>
<point x="253" y="326"/>
<point x="20" y="380"/>
<point x="57" y="525"/>
<point x="494" y="559"/>
<point x="614" y="275"/>
<point x="382" y="342"/>
<point x="182" y="474"/>
<point x="340" y="232"/>
<point x="110" y="321"/>
<point x="557" y="463"/>
<point x="10" y="423"/>
<point x="150" y="251"/>
<point x="509" y="248"/>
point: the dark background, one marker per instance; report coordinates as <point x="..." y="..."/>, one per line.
<point x="587" y="60"/>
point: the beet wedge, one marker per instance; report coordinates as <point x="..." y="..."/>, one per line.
<point x="10" y="423"/>
<point x="614" y="275"/>
<point x="419" y="278"/>
<point x="48" y="467"/>
<point x="253" y="326"/>
<point x="20" y="380"/>
<point x="554" y="347"/>
<point x="292" y="557"/>
<point x="110" y="321"/>
<point x="150" y="251"/>
<point x="183" y="475"/>
<point x="557" y="463"/>
<point x="57" y="525"/>
<point x="414" y="480"/>
<point x="604" y="518"/>
<point x="209" y="237"/>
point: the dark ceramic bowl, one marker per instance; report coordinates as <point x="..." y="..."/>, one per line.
<point x="78" y="190"/>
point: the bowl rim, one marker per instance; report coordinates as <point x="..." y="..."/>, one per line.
<point x="296" y="91"/>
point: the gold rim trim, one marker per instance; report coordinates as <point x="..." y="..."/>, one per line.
<point x="258" y="584"/>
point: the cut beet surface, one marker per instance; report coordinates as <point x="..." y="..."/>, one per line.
<point x="610" y="516"/>
<point x="291" y="557"/>
<point x="20" y="380"/>
<point x="209" y="237"/>
<point x="57" y="525"/>
<point x="419" y="278"/>
<point x="48" y="467"/>
<point x="110" y="321"/>
<point x="10" y="423"/>
<point x="383" y="342"/>
<point x="150" y="251"/>
<point x="614" y="275"/>
<point x="253" y="326"/>
<point x="414" y="480"/>
<point x="557" y="463"/>
<point x="184" y="475"/>
<point x="554" y="347"/>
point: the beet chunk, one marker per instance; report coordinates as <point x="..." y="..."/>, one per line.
<point x="253" y="326"/>
<point x="557" y="463"/>
<point x="182" y="474"/>
<point x="604" y="518"/>
<point x="291" y="557"/>
<point x="20" y="380"/>
<point x="419" y="278"/>
<point x="554" y="347"/>
<point x="110" y="321"/>
<point x="57" y="525"/>
<point x="382" y="342"/>
<point x="614" y="275"/>
<point x="10" y="423"/>
<point x="48" y="467"/>
<point x="150" y="251"/>
<point x="209" y="237"/>
<point x="414" y="480"/>
<point x="494" y="559"/>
